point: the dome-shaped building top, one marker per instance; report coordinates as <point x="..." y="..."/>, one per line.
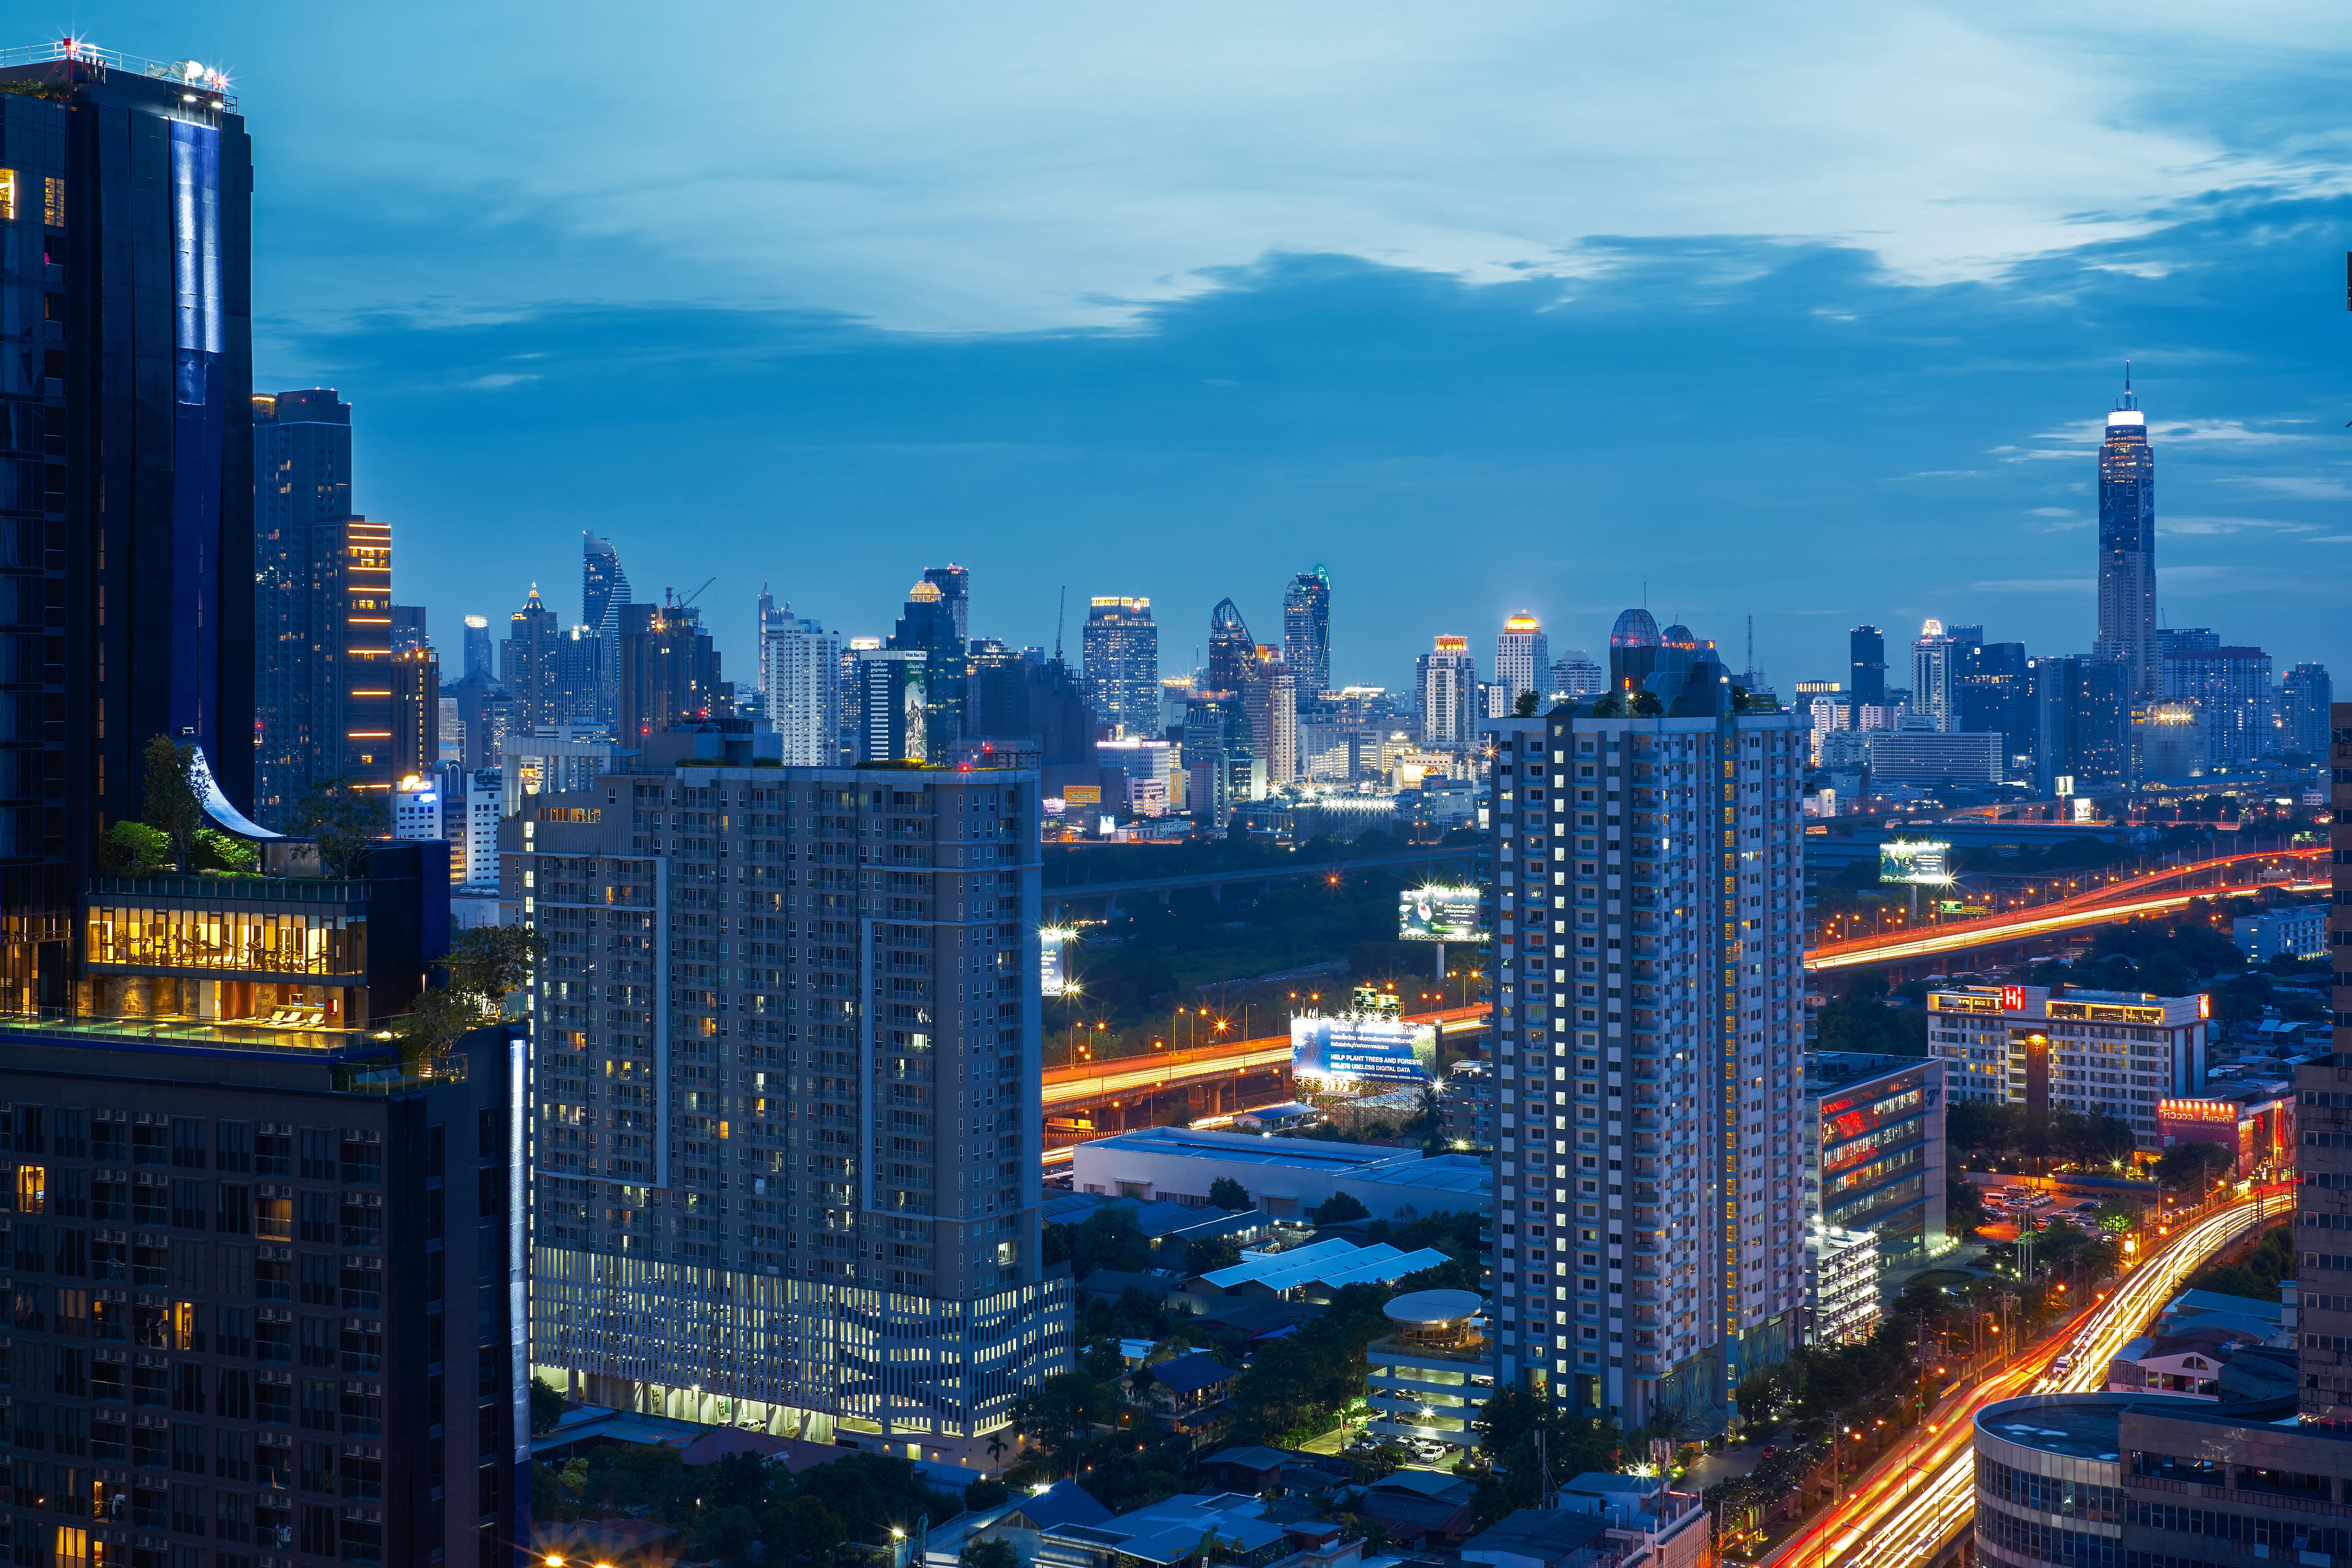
<point x="1635" y="628"/>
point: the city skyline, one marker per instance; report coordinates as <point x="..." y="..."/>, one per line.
<point x="1292" y="373"/>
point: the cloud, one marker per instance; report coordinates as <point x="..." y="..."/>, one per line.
<point x="2037" y="585"/>
<point x="496" y="379"/>
<point x="2054" y="511"/>
<point x="2300" y="487"/>
<point x="1080" y="164"/>
<point x="2209" y="525"/>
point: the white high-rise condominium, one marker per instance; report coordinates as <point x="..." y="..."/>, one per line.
<point x="800" y="668"/>
<point x="1934" y="691"/>
<point x="1447" y="678"/>
<point x="1522" y="659"/>
<point x="1647" y="896"/>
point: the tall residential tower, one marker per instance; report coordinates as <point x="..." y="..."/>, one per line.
<point x="301" y="496"/>
<point x="787" y="1172"/>
<point x="1648" y="897"/>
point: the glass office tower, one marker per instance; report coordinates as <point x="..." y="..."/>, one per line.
<point x="2128" y="546"/>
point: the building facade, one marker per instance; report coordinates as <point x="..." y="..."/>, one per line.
<point x="1875" y="1160"/>
<point x="1840" y="1285"/>
<point x="1306" y="632"/>
<point x="2083" y="709"/>
<point x="788" y="1059"/>
<point x="2098" y="1053"/>
<point x="291" y="1331"/>
<point x="1925" y="758"/>
<point x="1648" y="1029"/>
<point x="528" y="665"/>
<point x="1522" y="659"/>
<point x="128" y="509"/>
<point x="1120" y="645"/>
<point x="2231" y="688"/>
<point x="1934" y="685"/>
<point x="301" y="496"/>
<point x="2127" y="549"/>
<point x="2304" y="695"/>
<point x="800" y="664"/>
<point x="1866" y="666"/>
<point x="1447" y="685"/>
<point x="2324" y="1146"/>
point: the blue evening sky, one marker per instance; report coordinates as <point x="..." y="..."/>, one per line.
<point x="1807" y="311"/>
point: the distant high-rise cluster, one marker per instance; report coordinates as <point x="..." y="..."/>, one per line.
<point x="2147" y="705"/>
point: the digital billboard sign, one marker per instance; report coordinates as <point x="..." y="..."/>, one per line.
<point x="1914" y="860"/>
<point x="1438" y="912"/>
<point x="1054" y="977"/>
<point x="1356" y="1049"/>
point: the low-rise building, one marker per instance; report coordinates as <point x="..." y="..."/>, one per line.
<point x="2111" y="1053"/>
<point x="1841" y="1284"/>
<point x="1286" y="1178"/>
<point x="1430" y="1375"/>
<point x="2290" y="931"/>
<point x="2144" y="1480"/>
<point x="2256" y="1122"/>
<point x="2187" y="1365"/>
<point x="1194" y="1527"/>
<point x="1312" y="1273"/>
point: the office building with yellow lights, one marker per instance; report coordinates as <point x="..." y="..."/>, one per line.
<point x="2098" y="1053"/>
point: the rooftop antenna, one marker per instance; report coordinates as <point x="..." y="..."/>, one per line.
<point x="2127" y="391"/>
<point x="1061" y="613"/>
<point x="1751" y="644"/>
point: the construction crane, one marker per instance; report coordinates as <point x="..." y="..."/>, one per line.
<point x="679" y="603"/>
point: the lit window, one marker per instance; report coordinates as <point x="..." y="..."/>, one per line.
<point x="53" y="202"/>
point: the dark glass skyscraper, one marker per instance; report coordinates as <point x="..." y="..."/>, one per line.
<point x="302" y="494"/>
<point x="2128" y="546"/>
<point x="1232" y="653"/>
<point x="1306" y="632"/>
<point x="1122" y="664"/>
<point x="929" y="626"/>
<point x="128" y="611"/>
<point x="1866" y="666"/>
<point x="954" y="583"/>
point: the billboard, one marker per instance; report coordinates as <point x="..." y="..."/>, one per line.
<point x="1916" y="860"/>
<point x="1053" y="979"/>
<point x="1438" y="912"/>
<point x="1082" y="795"/>
<point x="1351" y="1048"/>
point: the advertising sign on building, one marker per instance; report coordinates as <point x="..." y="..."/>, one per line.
<point x="1914" y="860"/>
<point x="1355" y="1049"/>
<point x="1053" y="979"/>
<point x="1438" y="912"/>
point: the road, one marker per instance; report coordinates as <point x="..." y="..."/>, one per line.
<point x="2118" y="900"/>
<point x="1903" y="1512"/>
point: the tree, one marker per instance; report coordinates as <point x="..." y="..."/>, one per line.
<point x="989" y="1553"/>
<point x="985" y="1493"/>
<point x="344" y="819"/>
<point x="1527" y="704"/>
<point x="2187" y="1166"/>
<point x="489" y="962"/>
<point x="546" y="1405"/>
<point x="804" y="1531"/>
<point x="1339" y="1208"/>
<point x="174" y="804"/>
<point x="725" y="1534"/>
<point x="435" y="1019"/>
<point x="1506" y="1433"/>
<point x="218" y="851"/>
<point x="134" y="850"/>
<point x="1229" y="1194"/>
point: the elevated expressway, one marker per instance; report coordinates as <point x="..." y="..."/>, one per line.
<point x="2157" y="892"/>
